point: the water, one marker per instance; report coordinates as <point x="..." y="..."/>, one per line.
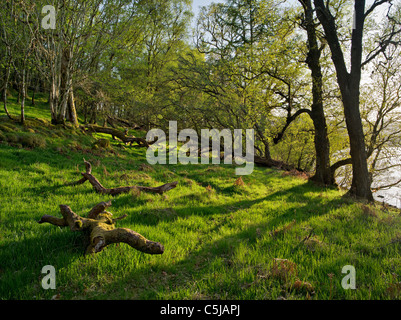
<point x="391" y="195"/>
<point x="389" y="173"/>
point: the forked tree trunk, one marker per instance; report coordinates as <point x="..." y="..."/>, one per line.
<point x="99" y="226"/>
<point x="349" y="83"/>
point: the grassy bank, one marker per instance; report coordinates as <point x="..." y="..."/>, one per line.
<point x="271" y="235"/>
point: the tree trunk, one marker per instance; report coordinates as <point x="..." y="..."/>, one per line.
<point x="322" y="145"/>
<point x="360" y="186"/>
<point x="23" y="85"/>
<point x="33" y="94"/>
<point x="6" y="80"/>
<point x="349" y="83"/>
<point x="65" y="86"/>
<point x="119" y="134"/>
<point x="72" y="110"/>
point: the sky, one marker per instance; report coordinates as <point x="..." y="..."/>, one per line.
<point x="198" y="3"/>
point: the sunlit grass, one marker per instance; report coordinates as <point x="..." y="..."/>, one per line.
<point x="220" y="239"/>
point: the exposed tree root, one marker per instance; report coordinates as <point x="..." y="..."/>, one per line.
<point x="115" y="191"/>
<point x="99" y="225"/>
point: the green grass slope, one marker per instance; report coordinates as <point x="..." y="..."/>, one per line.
<point x="273" y="236"/>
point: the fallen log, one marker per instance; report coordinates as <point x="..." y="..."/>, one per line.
<point x="119" y="134"/>
<point x="269" y="163"/>
<point x="125" y="123"/>
<point x="99" y="226"/>
<point x="87" y="176"/>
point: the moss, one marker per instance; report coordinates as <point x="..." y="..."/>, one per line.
<point x="101" y="144"/>
<point x="30" y="130"/>
<point x="31" y="140"/>
<point x="3" y="136"/>
<point x="7" y="127"/>
<point x="11" y="137"/>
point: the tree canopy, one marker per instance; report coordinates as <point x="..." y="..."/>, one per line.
<point x="317" y="80"/>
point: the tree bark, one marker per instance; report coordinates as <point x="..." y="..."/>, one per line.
<point x="100" y="226"/>
<point x="73" y="118"/>
<point x="87" y="176"/>
<point x="23" y="85"/>
<point x="349" y="83"/>
<point x="322" y="145"/>
<point x="119" y="134"/>
<point x="6" y="80"/>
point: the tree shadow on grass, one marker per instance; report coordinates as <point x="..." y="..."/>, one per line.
<point x="295" y="194"/>
<point x="22" y="262"/>
<point x="173" y="278"/>
<point x="166" y="276"/>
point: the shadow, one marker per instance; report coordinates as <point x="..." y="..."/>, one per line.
<point x="23" y="260"/>
<point x="59" y="247"/>
<point x="208" y="257"/>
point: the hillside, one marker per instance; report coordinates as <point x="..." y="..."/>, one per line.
<point x="270" y="235"/>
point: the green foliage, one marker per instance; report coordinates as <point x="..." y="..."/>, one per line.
<point x="265" y="236"/>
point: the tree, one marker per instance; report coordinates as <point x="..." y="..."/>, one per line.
<point x="349" y="84"/>
<point x="322" y="146"/>
<point x="18" y="44"/>
<point x="380" y="103"/>
<point x="241" y="76"/>
<point x="70" y="53"/>
<point x="323" y="172"/>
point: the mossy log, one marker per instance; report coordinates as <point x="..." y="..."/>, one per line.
<point x="115" y="191"/>
<point x="100" y="227"/>
<point x="119" y="134"/>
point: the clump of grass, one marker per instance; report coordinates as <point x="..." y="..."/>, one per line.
<point x="302" y="287"/>
<point x="145" y="167"/>
<point x="101" y="144"/>
<point x="239" y="182"/>
<point x="135" y="193"/>
<point x="26" y="139"/>
<point x="283" y="269"/>
<point x="368" y="211"/>
<point x="32" y="140"/>
<point x="284" y="229"/>
<point x="296" y="173"/>
<point x="313" y="243"/>
<point x="394" y="288"/>
<point x="11" y="138"/>
<point x="7" y="127"/>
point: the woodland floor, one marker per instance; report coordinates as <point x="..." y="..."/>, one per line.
<point x="222" y="239"/>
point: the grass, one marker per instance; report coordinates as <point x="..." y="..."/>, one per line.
<point x="272" y="235"/>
